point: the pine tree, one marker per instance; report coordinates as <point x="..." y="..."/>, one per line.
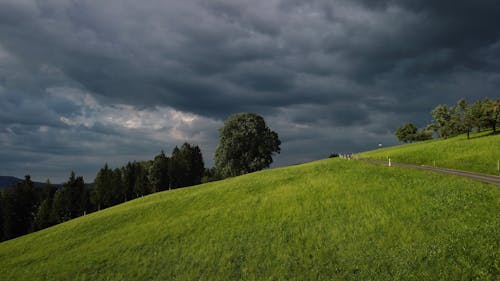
<point x="19" y="207"/>
<point x="117" y="187"/>
<point x="158" y="173"/>
<point x="141" y="185"/>
<point x="129" y="178"/>
<point x="186" y="166"/>
<point x="75" y="190"/>
<point x="103" y="188"/>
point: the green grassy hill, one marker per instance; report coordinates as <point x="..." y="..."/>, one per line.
<point x="330" y="219"/>
<point x="478" y="154"/>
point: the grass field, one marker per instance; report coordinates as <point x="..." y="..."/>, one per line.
<point x="327" y="220"/>
<point x="478" y="154"/>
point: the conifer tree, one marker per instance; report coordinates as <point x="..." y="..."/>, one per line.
<point x="19" y="207"/>
<point x="158" y="173"/>
<point x="103" y="188"/>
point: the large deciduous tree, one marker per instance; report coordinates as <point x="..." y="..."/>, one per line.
<point x="407" y="133"/>
<point x="477" y="115"/>
<point x="466" y="117"/>
<point x="246" y="144"/>
<point x="492" y="113"/>
<point x="410" y="133"/>
<point x="45" y="216"/>
<point x="62" y="205"/>
<point x="445" y="121"/>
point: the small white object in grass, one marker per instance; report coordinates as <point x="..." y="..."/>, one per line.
<point x="390" y="162"/>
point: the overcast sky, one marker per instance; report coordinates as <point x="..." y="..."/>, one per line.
<point x="88" y="82"/>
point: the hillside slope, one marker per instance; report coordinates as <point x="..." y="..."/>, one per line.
<point x="478" y="154"/>
<point x="331" y="219"/>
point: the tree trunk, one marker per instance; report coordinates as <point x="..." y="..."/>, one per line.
<point x="468" y="134"/>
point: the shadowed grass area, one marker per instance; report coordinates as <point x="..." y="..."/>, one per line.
<point x="478" y="154"/>
<point x="330" y="219"/>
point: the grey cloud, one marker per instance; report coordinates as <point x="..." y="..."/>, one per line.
<point x="311" y="67"/>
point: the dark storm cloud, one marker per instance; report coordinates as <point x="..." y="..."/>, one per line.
<point x="117" y="80"/>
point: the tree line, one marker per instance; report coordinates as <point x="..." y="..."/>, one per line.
<point x="449" y="121"/>
<point x="246" y="144"/>
<point x="25" y="208"/>
<point x="185" y="167"/>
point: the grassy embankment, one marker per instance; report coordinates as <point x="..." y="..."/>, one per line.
<point x="330" y="219"/>
<point x="478" y="154"/>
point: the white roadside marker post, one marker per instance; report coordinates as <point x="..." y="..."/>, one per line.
<point x="390" y="162"/>
<point x="434" y="162"/>
<point x="498" y="166"/>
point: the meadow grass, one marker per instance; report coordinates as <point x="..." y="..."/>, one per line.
<point x="327" y="220"/>
<point x="478" y="154"/>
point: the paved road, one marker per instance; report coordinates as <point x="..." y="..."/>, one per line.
<point x="471" y="175"/>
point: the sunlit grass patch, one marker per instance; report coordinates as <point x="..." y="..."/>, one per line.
<point x="481" y="153"/>
<point x="331" y="219"/>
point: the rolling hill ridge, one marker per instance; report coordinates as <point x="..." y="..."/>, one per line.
<point x="329" y="219"/>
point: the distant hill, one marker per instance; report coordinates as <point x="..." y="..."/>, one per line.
<point x="7" y="181"/>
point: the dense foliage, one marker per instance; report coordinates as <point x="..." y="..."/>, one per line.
<point x="186" y="166"/>
<point x="246" y="144"/>
<point x="410" y="133"/>
<point x="19" y="205"/>
<point x="25" y="208"/>
<point x="449" y="121"/>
